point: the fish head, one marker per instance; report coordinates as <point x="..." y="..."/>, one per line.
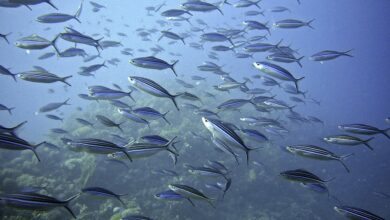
<point x="290" y="149"/>
<point x="207" y="123"/>
<point x="112" y="155"/>
<point x="132" y="80"/>
<point x="341" y="127"/>
<point x="258" y="65"/>
<point x="328" y="139"/>
<point x="338" y="209"/>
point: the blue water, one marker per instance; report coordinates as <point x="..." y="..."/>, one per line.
<point x="351" y="90"/>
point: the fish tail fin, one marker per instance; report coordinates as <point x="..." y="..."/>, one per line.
<point x="77" y="19"/>
<point x="120" y="199"/>
<point x="344" y="165"/>
<point x="168" y="144"/>
<point x="192" y="203"/>
<point x="304" y="94"/>
<point x="346" y="53"/>
<point x="66" y="102"/>
<point x="14" y="129"/>
<point x="51" y="4"/>
<point x="330" y="179"/>
<point x="127" y="154"/>
<point x="296" y="82"/>
<point x="227" y="186"/>
<point x="119" y="126"/>
<point x="174" y="100"/>
<point x="5" y="37"/>
<point x="247" y="151"/>
<point x="220" y="11"/>
<point x="162" y="35"/>
<point x="34" y="148"/>
<point x="384" y="132"/>
<point x="262" y="12"/>
<point x="173" y="67"/>
<point x="299" y="61"/>
<point x="182" y="39"/>
<point x="231" y="42"/>
<point x="189" y="13"/>
<point x="228" y="3"/>
<point x="258" y="6"/>
<point x="309" y="23"/>
<point x="129" y="94"/>
<point x="14" y="76"/>
<point x="65" y="78"/>
<point x="53" y="43"/>
<point x="98" y="44"/>
<point x="78" y="12"/>
<point x="165" y="119"/>
<point x="66" y="206"/>
<point x="366" y="143"/>
<point x="291" y="108"/>
<point x="188" y="20"/>
<point x="10" y="110"/>
<point x="278" y="44"/>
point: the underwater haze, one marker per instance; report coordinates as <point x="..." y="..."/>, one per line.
<point x="194" y="109"/>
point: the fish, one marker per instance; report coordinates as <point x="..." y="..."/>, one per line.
<point x="279" y="9"/>
<point x="190" y="192"/>
<point x="59" y="17"/>
<point x="225" y="148"/>
<point x="11" y="142"/>
<point x="255" y="25"/>
<point x="224" y="133"/>
<point x="72" y="52"/>
<point x="348" y="140"/>
<point x="329" y="55"/>
<point x="246" y="3"/>
<point x="170" y="195"/>
<point x="76" y="37"/>
<point x="151" y="87"/>
<point x="171" y="35"/>
<point x="99" y="191"/>
<point x="140" y="150"/>
<point x="33" y="2"/>
<point x="356" y="213"/>
<point x="104" y="93"/>
<point x="35" y="42"/>
<point x="59" y="131"/>
<point x="200" y="6"/>
<point x="39" y="76"/>
<point x="318" y="153"/>
<point x="216" y="37"/>
<point x="7" y="72"/>
<point x="108" y="122"/>
<point x="303" y="176"/>
<point x="293" y="23"/>
<point x="54" y="117"/>
<point x="36" y="201"/>
<point x="232" y="104"/>
<point x="255" y="135"/>
<point x="53" y="106"/>
<point x="285" y="58"/>
<point x="152" y="62"/>
<point x="363" y="129"/>
<point x="277" y="72"/>
<point x="175" y="13"/>
<point x="12" y="130"/>
<point x="150" y="113"/>
<point x="97" y="146"/>
<point x="46" y="55"/>
<point x="165" y="172"/>
<point x="130" y="115"/>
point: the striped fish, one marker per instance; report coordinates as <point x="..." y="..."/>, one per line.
<point x="304" y="176"/>
<point x="151" y="87"/>
<point x="130" y="115"/>
<point x="42" y="77"/>
<point x="190" y="192"/>
<point x="10" y="142"/>
<point x="356" y="213"/>
<point x="226" y="134"/>
<point x="97" y="146"/>
<point x="141" y="150"/>
<point x="104" y="93"/>
<point x="319" y="153"/>
<point x="36" y="201"/>
<point x="152" y="62"/>
<point x="277" y="72"/>
<point x="108" y="122"/>
<point x="151" y="113"/>
<point x="348" y="140"/>
<point x="364" y="129"/>
<point x="99" y="191"/>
